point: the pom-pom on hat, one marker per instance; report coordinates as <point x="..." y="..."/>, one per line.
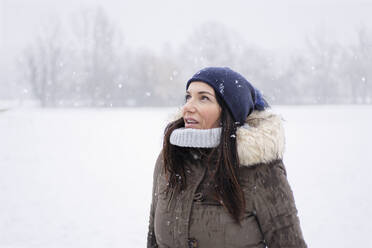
<point x="240" y="96"/>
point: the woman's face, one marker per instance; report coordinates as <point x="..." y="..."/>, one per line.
<point x="201" y="110"/>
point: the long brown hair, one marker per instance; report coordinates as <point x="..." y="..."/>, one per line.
<point x="223" y="158"/>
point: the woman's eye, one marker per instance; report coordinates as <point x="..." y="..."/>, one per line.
<point x="187" y="97"/>
<point x="205" y="98"/>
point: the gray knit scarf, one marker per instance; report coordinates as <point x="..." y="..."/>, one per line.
<point x="202" y="138"/>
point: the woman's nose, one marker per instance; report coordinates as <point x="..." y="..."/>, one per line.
<point x="189" y="106"/>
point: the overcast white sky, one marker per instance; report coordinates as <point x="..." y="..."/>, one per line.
<point x="271" y="24"/>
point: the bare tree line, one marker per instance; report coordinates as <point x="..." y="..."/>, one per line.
<point x="87" y="64"/>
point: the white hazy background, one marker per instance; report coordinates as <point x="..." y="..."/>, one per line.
<point x="76" y="177"/>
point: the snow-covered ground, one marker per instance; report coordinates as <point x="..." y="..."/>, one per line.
<point x="82" y="178"/>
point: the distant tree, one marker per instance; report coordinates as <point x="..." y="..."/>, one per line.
<point x="172" y="78"/>
<point x="42" y="64"/>
<point x="357" y="68"/>
<point x="96" y="46"/>
<point x="290" y="81"/>
<point x="211" y="44"/>
<point x="260" y="67"/>
<point x="79" y="66"/>
<point x="324" y="57"/>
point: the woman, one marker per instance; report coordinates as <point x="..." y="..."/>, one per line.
<point x="220" y="180"/>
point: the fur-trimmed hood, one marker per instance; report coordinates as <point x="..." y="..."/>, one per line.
<point x="261" y="140"/>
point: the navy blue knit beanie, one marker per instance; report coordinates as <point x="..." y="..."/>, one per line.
<point x="240" y="96"/>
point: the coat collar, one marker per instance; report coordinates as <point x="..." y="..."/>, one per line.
<point x="261" y="140"/>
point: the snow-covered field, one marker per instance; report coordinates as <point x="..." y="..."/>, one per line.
<point x="82" y="178"/>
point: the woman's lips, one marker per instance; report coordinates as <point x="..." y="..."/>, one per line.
<point x="190" y="123"/>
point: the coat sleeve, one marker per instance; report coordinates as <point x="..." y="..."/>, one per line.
<point x="151" y="240"/>
<point x="275" y="207"/>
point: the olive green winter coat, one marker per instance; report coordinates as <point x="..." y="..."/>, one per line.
<point x="192" y="219"/>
